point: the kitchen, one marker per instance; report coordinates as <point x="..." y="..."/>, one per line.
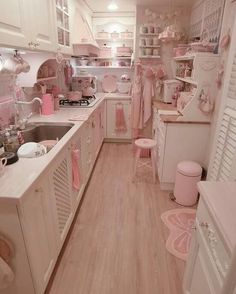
<point x="91" y="94"/>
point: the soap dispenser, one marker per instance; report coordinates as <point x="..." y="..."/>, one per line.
<point x="48" y="102"/>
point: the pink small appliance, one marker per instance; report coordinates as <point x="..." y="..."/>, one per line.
<point x="48" y="104"/>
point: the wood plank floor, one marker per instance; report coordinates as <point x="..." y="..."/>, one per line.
<point x="117" y="245"/>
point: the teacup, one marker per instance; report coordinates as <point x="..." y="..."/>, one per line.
<point x="3" y="162"/>
<point x="12" y="65"/>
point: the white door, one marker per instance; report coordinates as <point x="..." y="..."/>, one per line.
<point x="14" y="28"/>
<point x="112" y="132"/>
<point x="43" y="25"/>
<point x="38" y="229"/>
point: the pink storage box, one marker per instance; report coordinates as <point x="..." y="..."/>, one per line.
<point x="188" y="174"/>
<point x="105" y="52"/>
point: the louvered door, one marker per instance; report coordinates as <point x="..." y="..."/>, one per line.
<point x="61" y="185"/>
<point x="223" y="161"/>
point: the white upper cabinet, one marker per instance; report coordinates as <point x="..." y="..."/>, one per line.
<point x="63" y="10"/>
<point x="43" y="25"/>
<point x="28" y="24"/>
<point x="13" y="23"/>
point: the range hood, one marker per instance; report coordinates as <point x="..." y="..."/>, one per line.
<point x="83" y="40"/>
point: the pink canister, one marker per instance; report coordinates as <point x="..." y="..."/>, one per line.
<point x="48" y="104"/>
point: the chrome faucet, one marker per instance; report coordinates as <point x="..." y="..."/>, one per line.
<point x="22" y="123"/>
<point x="19" y="102"/>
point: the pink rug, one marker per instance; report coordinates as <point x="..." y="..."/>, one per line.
<point x="179" y="222"/>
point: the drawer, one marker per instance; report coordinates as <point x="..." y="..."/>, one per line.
<point x="212" y="238"/>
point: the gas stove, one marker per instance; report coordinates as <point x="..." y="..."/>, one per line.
<point x="85" y="102"/>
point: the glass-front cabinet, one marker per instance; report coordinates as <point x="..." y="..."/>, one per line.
<point x="63" y="25"/>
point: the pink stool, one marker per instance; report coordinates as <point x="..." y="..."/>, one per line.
<point x="187" y="175"/>
<point x="145" y="144"/>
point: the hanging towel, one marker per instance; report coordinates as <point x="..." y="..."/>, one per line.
<point x="75" y="155"/>
<point x="120" y="119"/>
<point x="137" y="102"/>
<point x="6" y="275"/>
<point x="148" y="93"/>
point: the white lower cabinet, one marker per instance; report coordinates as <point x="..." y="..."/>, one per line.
<point x="176" y="142"/>
<point x="61" y="193"/>
<point x="36" y="218"/>
<point x="111" y="112"/>
<point x="209" y="258"/>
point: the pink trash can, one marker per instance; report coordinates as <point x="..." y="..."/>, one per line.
<point x="187" y="175"/>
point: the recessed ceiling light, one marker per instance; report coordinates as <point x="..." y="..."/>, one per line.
<point x="112" y="6"/>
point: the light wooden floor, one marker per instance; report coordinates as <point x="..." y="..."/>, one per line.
<point x="117" y="245"/>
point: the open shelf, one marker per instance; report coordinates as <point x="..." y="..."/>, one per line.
<point x="187" y="80"/>
<point x="149" y="34"/>
<point x="46" y="79"/>
<point x="150" y="57"/>
<point x="102" y="66"/>
<point x="150" y="46"/>
<point x="111" y="58"/>
<point x="114" y="40"/>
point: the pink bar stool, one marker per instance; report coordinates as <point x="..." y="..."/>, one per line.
<point x="145" y="144"/>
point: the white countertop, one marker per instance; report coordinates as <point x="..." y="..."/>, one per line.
<point x="20" y="176"/>
<point x="220" y="198"/>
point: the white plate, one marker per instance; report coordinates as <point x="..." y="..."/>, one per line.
<point x="109" y="83"/>
<point x="31" y="150"/>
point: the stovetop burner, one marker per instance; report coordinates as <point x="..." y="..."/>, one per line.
<point x="87" y="101"/>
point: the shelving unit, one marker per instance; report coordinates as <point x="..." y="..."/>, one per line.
<point x="117" y="40"/>
<point x="102" y="66"/>
<point x="204" y="68"/>
<point x="148" y="50"/>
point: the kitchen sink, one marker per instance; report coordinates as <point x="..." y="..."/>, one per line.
<point x="37" y="132"/>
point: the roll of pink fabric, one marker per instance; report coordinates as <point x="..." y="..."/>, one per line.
<point x="148" y="93"/>
<point x="120" y="118"/>
<point x="137" y="102"/>
<point x="75" y="156"/>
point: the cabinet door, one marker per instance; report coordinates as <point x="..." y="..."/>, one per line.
<point x="61" y="189"/>
<point x="13" y="23"/>
<point x="111" y="119"/>
<point x="38" y="229"/>
<point x="43" y="25"/>
<point x="200" y="276"/>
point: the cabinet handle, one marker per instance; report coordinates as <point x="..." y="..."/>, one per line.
<point x="39" y="190"/>
<point x="204" y="225"/>
<point x="93" y="125"/>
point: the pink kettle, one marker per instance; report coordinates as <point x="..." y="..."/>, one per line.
<point x="48" y="104"/>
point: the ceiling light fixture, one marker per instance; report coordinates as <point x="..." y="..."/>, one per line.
<point x="112" y="6"/>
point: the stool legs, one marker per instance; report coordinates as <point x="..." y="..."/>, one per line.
<point x="153" y="158"/>
<point x="137" y="156"/>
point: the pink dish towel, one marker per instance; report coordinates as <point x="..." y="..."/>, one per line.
<point x="120" y="118"/>
<point x="75" y="155"/>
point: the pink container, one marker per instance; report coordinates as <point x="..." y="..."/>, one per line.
<point x="188" y="174"/>
<point x="105" y="52"/>
<point x="48" y="104"/>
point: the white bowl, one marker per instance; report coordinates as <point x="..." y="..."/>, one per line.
<point x="123" y="87"/>
<point x="31" y="150"/>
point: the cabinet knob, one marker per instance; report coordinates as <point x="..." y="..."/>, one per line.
<point x="93" y="125"/>
<point x="38" y="190"/>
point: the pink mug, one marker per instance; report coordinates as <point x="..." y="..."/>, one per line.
<point x="48" y="104"/>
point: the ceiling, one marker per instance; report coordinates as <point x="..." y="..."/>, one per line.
<point x="129" y="5"/>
